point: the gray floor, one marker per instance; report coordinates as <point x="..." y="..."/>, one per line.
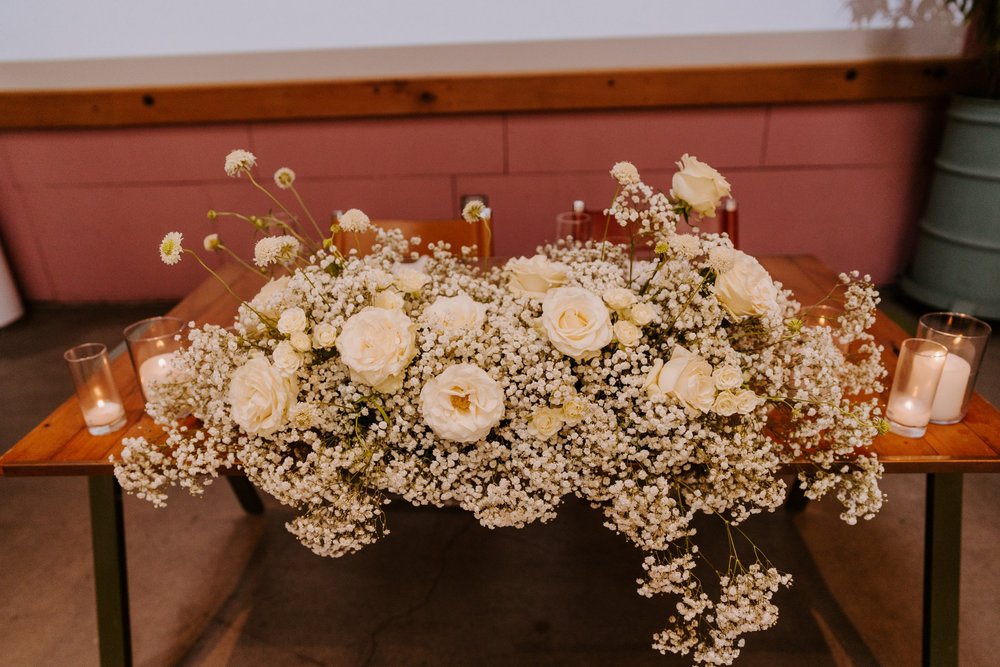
<point x="211" y="585"/>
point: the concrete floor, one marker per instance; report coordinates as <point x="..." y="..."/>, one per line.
<point x="211" y="585"/>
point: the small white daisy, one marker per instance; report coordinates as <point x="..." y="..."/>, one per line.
<point x="275" y="249"/>
<point x="171" y="249"/>
<point x="354" y="220"/>
<point x="212" y="242"/>
<point x="475" y="211"/>
<point x="238" y="160"/>
<point x="284" y="178"/>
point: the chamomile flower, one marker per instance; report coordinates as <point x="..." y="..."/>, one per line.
<point x="239" y="160"/>
<point x="284" y="178"/>
<point x="171" y="248"/>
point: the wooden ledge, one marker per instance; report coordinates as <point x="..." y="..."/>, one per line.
<point x="536" y="92"/>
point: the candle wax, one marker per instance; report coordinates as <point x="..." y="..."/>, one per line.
<point x="155" y="369"/>
<point x="951" y="390"/>
<point x="103" y="413"/>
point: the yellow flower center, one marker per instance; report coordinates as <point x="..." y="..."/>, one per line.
<point x="460" y="401"/>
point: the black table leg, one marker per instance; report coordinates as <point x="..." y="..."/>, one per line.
<point x="246" y="494"/>
<point x="107" y="525"/>
<point x="942" y="569"/>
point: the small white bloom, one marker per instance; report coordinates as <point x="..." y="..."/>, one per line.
<point x="300" y="341"/>
<point x="574" y="409"/>
<point x="721" y="258"/>
<point x="619" y="298"/>
<point x="389" y="299"/>
<point x="211" y="242"/>
<point x="576" y="322"/>
<point x="699" y="186"/>
<point x="545" y="423"/>
<point x="462" y="403"/>
<point x="747" y="401"/>
<point x="474" y="211"/>
<point x="171" y="248"/>
<point x="686" y="245"/>
<point x="354" y="220"/>
<point x="410" y="281"/>
<point x="625" y="173"/>
<point x="239" y="160"/>
<point x="535" y="276"/>
<point x="260" y="396"/>
<point x="286" y="358"/>
<point x="377" y="345"/>
<point x="727" y="376"/>
<point x="642" y="313"/>
<point x="324" y="335"/>
<point x="292" y="320"/>
<point x="284" y="178"/>
<point x="455" y="313"/>
<point x="725" y="404"/>
<point x="275" y="249"/>
<point x="627" y="333"/>
<point x="686" y="377"/>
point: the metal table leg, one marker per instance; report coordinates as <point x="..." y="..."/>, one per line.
<point x="246" y="494"/>
<point x="107" y="524"/>
<point x="942" y="569"/>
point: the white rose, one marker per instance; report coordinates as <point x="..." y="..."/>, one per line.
<point x="686" y="377"/>
<point x="627" y="333"/>
<point x="727" y="376"/>
<point x="725" y="404"/>
<point x="286" y="358"/>
<point x="746" y="289"/>
<point x="699" y="185"/>
<point x="455" y="313"/>
<point x="746" y="401"/>
<point x="642" y="313"/>
<point x="268" y="297"/>
<point x="536" y="276"/>
<point x="410" y="281"/>
<point x="619" y="298"/>
<point x="260" y="397"/>
<point x="377" y="345"/>
<point x="574" y="409"/>
<point x="576" y="322"/>
<point x="292" y="320"/>
<point x="545" y="423"/>
<point x="462" y="404"/>
<point x="300" y="341"/>
<point x="324" y="335"/>
<point x="388" y="299"/>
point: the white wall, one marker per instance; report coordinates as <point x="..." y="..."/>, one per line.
<point x="194" y="41"/>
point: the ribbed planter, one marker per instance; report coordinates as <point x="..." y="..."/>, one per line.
<point x="956" y="264"/>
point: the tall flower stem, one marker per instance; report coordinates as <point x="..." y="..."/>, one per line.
<point x="241" y="261"/>
<point x="306" y="209"/>
<point x="277" y="203"/>
<point x="265" y="320"/>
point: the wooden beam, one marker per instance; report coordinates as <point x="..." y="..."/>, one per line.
<point x="622" y="89"/>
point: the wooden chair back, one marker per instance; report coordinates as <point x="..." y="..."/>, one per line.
<point x="457" y="232"/>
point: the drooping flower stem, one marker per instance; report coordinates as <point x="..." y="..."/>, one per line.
<point x="268" y="322"/>
<point x="277" y="202"/>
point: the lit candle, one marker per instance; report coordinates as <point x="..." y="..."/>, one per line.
<point x="951" y="390"/>
<point x="103" y="413"/>
<point x="155" y="369"/>
<point x="913" y="390"/>
<point x="908" y="411"/>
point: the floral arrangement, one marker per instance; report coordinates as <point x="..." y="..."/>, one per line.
<point x="657" y="391"/>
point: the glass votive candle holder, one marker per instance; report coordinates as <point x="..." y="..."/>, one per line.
<point x="573" y="223"/>
<point x="966" y="338"/>
<point x="827" y="317"/>
<point x="102" y="407"/>
<point x="918" y="371"/>
<point x="151" y="345"/>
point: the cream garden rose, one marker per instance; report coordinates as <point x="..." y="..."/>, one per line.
<point x="727" y="376"/>
<point x="576" y="322"/>
<point x="455" y="313"/>
<point x="286" y="358"/>
<point x="534" y="277"/>
<point x="686" y="377"/>
<point x="619" y="298"/>
<point x="324" y="335"/>
<point x="698" y="185"/>
<point x="746" y="289"/>
<point x="462" y="403"/>
<point x="377" y="345"/>
<point x="292" y="320"/>
<point x="627" y="333"/>
<point x="388" y="299"/>
<point x="300" y="341"/>
<point x="261" y="396"/>
<point x="642" y="313"/>
<point x="411" y="281"/>
<point x="267" y="298"/>
<point x="545" y="423"/>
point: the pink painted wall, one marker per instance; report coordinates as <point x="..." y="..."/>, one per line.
<point x="82" y="212"/>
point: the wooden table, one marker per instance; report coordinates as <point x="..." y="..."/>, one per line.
<point x="61" y="445"/>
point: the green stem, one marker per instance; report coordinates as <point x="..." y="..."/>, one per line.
<point x="306" y="209"/>
<point x="242" y="262"/>
<point x="291" y="216"/>
<point x="265" y="320"/>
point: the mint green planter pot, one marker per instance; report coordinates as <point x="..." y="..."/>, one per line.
<point x="956" y="264"/>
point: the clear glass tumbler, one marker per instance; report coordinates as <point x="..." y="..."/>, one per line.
<point x="96" y="390"/>
<point x="966" y="338"/>
<point x="918" y="371"/>
<point x="151" y="344"/>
